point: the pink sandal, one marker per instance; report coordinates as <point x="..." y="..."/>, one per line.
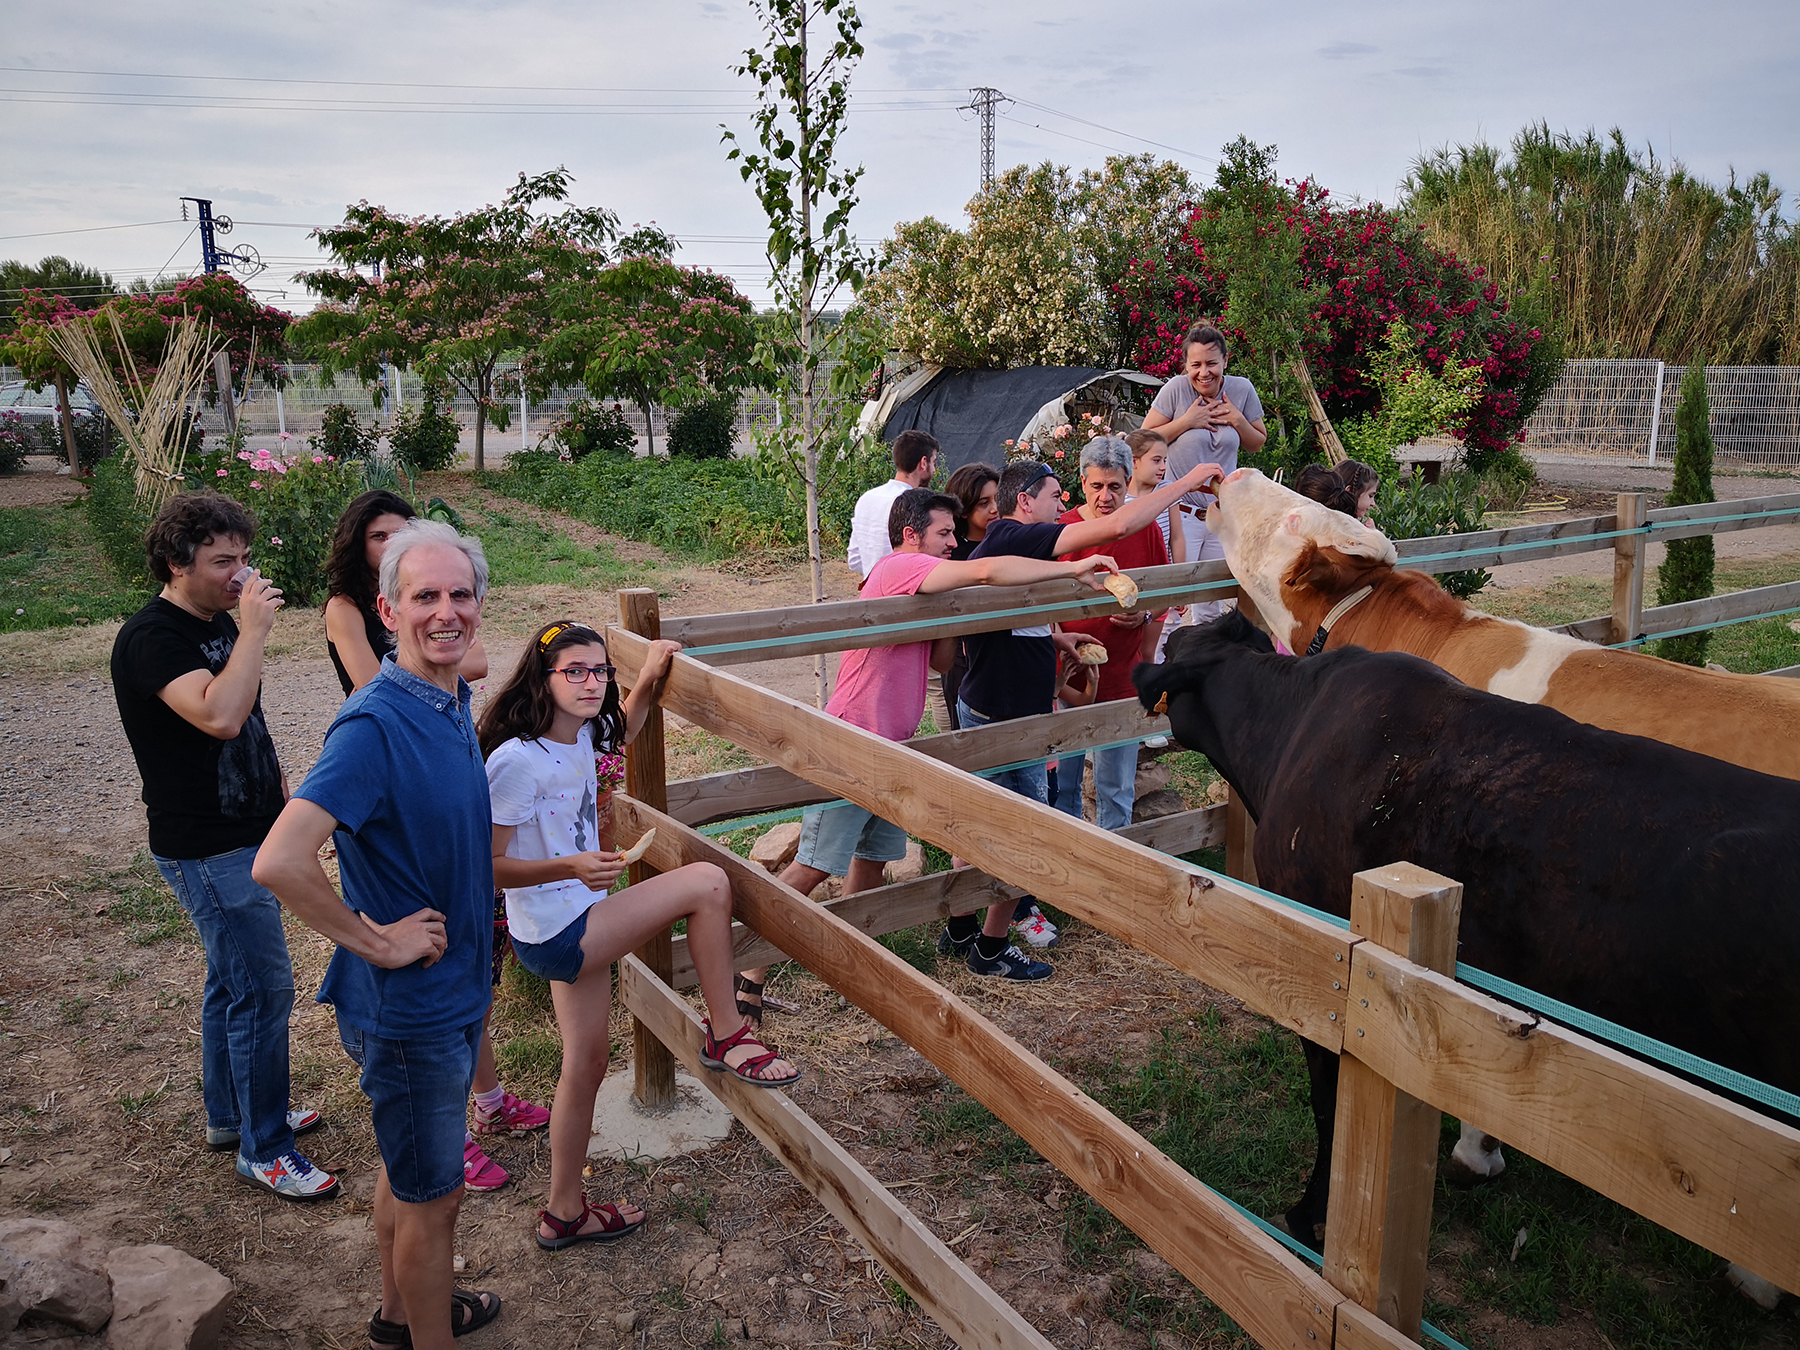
<point x="713" y="1056"/>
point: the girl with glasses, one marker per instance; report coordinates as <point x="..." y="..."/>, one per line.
<point x="555" y="855"/>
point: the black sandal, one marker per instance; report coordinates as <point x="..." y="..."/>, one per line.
<point x="754" y="1011"/>
<point x="467" y="1313"/>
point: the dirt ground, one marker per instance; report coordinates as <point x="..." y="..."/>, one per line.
<point x="101" y="1118"/>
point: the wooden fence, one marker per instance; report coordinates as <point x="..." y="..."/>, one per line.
<point x="1414" y="1042"/>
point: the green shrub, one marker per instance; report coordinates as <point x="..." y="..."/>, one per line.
<point x="15" y="442"/>
<point x="95" y="440"/>
<point x="424" y="436"/>
<point x="1687" y="569"/>
<point x="120" y="524"/>
<point x="297" y="501"/>
<point x="1416" y="509"/>
<point x="705" y="508"/>
<point x="342" y="435"/>
<point x="588" y="427"/>
<point x="705" y="430"/>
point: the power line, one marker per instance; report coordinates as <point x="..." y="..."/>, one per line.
<point x="89" y="229"/>
<point x="250" y="103"/>
<point x="1111" y="131"/>
<point x="398" y="84"/>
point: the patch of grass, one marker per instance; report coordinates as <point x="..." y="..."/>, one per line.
<point x="893" y="1289"/>
<point x="523" y="552"/>
<point x="520" y="988"/>
<point x="695" y="1204"/>
<point x="135" y="1105"/>
<point x="73" y="1010"/>
<point x="1191" y="774"/>
<point x="53" y="573"/>
<point x="532" y="1060"/>
<point x="915" y="946"/>
<point x="1643" y="1285"/>
<point x="122" y="977"/>
<point x="142" y="900"/>
<point x="955" y="1117"/>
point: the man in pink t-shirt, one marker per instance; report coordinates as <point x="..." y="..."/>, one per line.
<point x="882" y="689"/>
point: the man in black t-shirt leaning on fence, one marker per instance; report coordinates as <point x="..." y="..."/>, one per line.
<point x="189" y="688"/>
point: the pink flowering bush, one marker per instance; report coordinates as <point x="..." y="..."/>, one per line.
<point x="1061" y="448"/>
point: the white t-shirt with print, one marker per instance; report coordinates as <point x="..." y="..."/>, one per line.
<point x="548" y="791"/>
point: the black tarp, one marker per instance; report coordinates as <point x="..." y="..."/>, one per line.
<point x="973" y="413"/>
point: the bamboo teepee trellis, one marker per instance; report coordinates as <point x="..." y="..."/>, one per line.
<point x="148" y="417"/>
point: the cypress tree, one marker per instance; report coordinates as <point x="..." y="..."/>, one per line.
<point x="1687" y="570"/>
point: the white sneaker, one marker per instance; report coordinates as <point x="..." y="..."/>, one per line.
<point x="1157" y="742"/>
<point x="291" y="1176"/>
<point x="1038" y="931"/>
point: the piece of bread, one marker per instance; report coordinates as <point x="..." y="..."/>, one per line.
<point x="640" y="848"/>
<point x="1123" y="587"/>
<point x="1090" y="653"/>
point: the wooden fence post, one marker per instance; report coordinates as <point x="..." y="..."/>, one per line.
<point x="1240" y="841"/>
<point x="1628" y="570"/>
<point x="647" y="782"/>
<point x="1384" y="1158"/>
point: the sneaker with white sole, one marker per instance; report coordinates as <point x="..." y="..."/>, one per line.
<point x="480" y="1172"/>
<point x="299" y="1121"/>
<point x="513" y="1113"/>
<point x="1011" y="964"/>
<point x="291" y="1176"/>
<point x="1037" y="931"/>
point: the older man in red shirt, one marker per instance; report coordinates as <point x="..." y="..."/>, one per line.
<point x="1106" y="466"/>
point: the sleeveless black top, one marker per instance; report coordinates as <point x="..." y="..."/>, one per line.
<point x="381" y="642"/>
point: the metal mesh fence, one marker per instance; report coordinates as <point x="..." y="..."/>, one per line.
<point x="1612" y="410"/>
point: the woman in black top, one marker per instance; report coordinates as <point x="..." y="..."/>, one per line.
<point x="973" y="486"/>
<point x="355" y="636"/>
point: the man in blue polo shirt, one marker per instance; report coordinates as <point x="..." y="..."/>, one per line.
<point x="401" y="790"/>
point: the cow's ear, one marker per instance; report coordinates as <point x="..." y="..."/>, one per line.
<point x="1363" y="542"/>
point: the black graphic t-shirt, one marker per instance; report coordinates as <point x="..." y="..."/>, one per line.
<point x="204" y="796"/>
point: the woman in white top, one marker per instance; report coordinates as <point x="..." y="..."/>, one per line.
<point x="554" y="854"/>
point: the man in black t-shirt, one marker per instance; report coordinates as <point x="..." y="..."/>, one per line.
<point x="1012" y="673"/>
<point x="189" y="688"/>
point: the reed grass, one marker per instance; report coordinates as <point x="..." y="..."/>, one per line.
<point x="1627" y="256"/>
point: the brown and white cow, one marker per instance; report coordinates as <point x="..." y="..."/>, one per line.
<point x="1297" y="560"/>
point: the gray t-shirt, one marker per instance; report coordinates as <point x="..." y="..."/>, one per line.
<point x="1205" y="445"/>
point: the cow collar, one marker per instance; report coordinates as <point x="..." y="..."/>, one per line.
<point x="1341" y="608"/>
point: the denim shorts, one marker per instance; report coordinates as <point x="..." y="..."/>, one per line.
<point x="418" y="1091"/>
<point x="831" y="836"/>
<point x="560" y="958"/>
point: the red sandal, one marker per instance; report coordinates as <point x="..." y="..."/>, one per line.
<point x="613" y="1225"/>
<point x="713" y="1056"/>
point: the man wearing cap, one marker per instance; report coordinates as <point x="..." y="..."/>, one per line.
<point x="1013" y="673"/>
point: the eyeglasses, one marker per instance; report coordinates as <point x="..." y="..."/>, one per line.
<point x="579" y="674"/>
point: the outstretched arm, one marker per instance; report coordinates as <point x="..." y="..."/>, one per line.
<point x="1006" y="570"/>
<point x="1135" y="514"/>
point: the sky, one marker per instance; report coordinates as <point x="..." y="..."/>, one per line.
<point x="283" y="113"/>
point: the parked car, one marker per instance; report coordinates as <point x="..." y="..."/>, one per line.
<point x="39" y="405"/>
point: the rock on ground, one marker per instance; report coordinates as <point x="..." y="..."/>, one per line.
<point x="163" y="1299"/>
<point x="50" y="1268"/>
<point x="776" y="849"/>
<point x="1156" y="805"/>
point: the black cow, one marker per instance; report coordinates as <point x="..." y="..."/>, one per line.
<point x="1648" y="884"/>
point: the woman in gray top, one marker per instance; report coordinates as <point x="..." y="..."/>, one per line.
<point x="1206" y="416"/>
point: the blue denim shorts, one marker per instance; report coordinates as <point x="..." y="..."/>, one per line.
<point x="560" y="958"/>
<point x="418" y="1091"/>
<point x="831" y="836"/>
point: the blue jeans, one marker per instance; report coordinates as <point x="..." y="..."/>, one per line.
<point x="249" y="995"/>
<point x="1115" y="785"/>
<point x="1027" y="782"/>
<point x="418" y="1091"/>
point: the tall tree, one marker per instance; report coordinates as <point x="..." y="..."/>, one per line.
<point x="803" y="99"/>
<point x="1686" y="572"/>
<point x="54" y="285"/>
<point x="451" y="295"/>
<point x="650" y="331"/>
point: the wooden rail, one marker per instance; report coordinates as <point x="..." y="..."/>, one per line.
<point x="906" y="904"/>
<point x="768" y="787"/>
